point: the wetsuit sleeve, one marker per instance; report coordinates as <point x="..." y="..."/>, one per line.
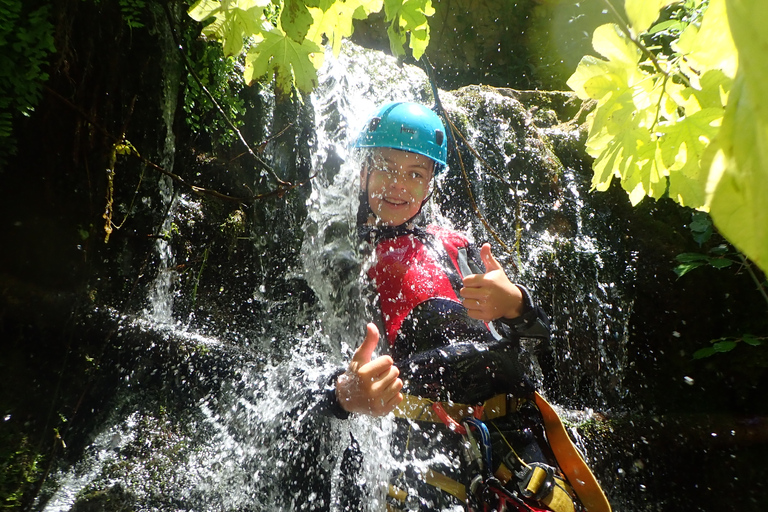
<point x="325" y="401"/>
<point x="533" y="323"/>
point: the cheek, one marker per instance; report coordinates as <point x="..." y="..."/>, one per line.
<point x="376" y="187"/>
<point x="419" y="192"/>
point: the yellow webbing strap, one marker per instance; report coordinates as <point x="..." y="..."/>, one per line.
<point x="435" y="479"/>
<point x="417" y="408"/>
<point x="447" y="484"/>
<point x="570" y="461"/>
<point x="558" y="498"/>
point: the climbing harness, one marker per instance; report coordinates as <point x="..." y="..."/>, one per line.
<point x="512" y="484"/>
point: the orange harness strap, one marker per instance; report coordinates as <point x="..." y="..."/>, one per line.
<point x="570" y="461"/>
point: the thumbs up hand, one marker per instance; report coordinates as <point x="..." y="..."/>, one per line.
<point x="491" y="295"/>
<point x="369" y="386"/>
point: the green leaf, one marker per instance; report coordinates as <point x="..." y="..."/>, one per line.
<point x="295" y="19"/>
<point x="406" y="16"/>
<point x="233" y="21"/>
<point x="690" y="257"/>
<point x="704" y="352"/>
<point x="290" y="62"/>
<point x="720" y="262"/>
<point x="752" y="340"/>
<point x="667" y="26"/>
<point x="683" y="269"/>
<point x="701" y="227"/>
<point x="737" y="184"/>
<point x="724" y="346"/>
<point x="642" y="13"/>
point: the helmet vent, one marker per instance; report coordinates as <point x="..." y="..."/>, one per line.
<point x="374" y="124"/>
<point x="439" y="137"/>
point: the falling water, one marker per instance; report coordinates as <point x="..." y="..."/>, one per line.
<point x="226" y="428"/>
<point x="160" y="299"/>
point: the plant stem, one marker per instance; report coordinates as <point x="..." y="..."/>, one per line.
<point x="760" y="285"/>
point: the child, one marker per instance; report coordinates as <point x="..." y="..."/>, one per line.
<point x="452" y="331"/>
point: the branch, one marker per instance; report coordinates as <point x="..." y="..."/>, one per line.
<point x="188" y="65"/>
<point x="624" y="26"/>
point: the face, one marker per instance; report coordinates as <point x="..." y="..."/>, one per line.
<point x="398" y="182"/>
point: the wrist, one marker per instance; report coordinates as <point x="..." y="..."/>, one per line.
<point x="517" y="304"/>
<point x="340" y="391"/>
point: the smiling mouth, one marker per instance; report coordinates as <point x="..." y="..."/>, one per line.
<point x="395" y="202"/>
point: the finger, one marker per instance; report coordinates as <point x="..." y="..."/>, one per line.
<point x="472" y="292"/>
<point x="365" y="351"/>
<point x="378" y="369"/>
<point x="388" y="400"/>
<point x="379" y="386"/>
<point x="489" y="261"/>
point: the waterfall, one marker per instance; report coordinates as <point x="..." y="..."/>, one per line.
<point x="162" y="289"/>
<point x="198" y="424"/>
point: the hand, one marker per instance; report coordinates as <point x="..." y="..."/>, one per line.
<point x="369" y="387"/>
<point x="491" y="295"/>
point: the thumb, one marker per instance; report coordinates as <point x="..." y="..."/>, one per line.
<point x="365" y="351"/>
<point x="488" y="260"/>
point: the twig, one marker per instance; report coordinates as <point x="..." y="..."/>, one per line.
<point x="760" y="286"/>
<point x="453" y="132"/>
<point x="226" y="118"/>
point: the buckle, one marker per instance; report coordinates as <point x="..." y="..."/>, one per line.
<point x="537" y="481"/>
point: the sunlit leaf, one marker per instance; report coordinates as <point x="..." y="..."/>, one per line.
<point x="709" y="46"/>
<point x="683" y="144"/>
<point x="234" y="21"/>
<point x="609" y="41"/>
<point x="335" y="23"/>
<point x="684" y="268"/>
<point x="406" y="16"/>
<point x="290" y="62"/>
<point x="295" y="19"/>
<point x="738" y="177"/>
<point x="642" y="13"/>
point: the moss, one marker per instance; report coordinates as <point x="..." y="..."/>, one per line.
<point x="20" y="468"/>
<point x="112" y="499"/>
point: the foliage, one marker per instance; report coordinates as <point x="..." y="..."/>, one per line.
<point x="26" y="41"/>
<point x="719" y="256"/>
<point x="285" y="42"/>
<point x="722" y="345"/>
<point x="678" y="116"/>
<point x="223" y="78"/>
<point x="20" y="467"/>
<point x="131" y="11"/>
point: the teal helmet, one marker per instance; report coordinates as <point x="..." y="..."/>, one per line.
<point x="409" y="127"/>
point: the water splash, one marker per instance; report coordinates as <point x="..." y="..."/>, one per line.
<point x="202" y="425"/>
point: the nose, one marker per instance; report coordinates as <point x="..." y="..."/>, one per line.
<point x="396" y="179"/>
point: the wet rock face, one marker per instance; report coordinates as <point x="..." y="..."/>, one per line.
<point x="523" y="44"/>
<point x="625" y="327"/>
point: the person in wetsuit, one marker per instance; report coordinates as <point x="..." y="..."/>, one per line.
<point x="452" y="321"/>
